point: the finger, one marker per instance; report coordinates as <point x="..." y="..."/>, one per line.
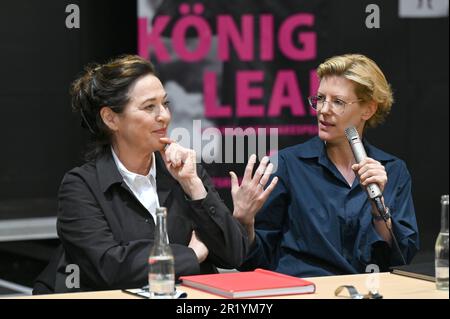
<point x="172" y="153"/>
<point x="187" y="155"/>
<point x="178" y="157"/>
<point x="164" y="152"/>
<point x="163" y="155"/>
<point x="186" y="169"/>
<point x="191" y="162"/>
<point x="192" y="157"/>
<point x="362" y="168"/>
<point x="234" y="182"/>
<point x="371" y="160"/>
<point x="365" y="160"/>
<point x="166" y="140"/>
<point x="167" y="151"/>
<point x="372" y="172"/>
<point x="260" y="171"/>
<point x="181" y="153"/>
<point x="185" y="162"/>
<point x="355" y="167"/>
<point x="368" y="167"/>
<point x="269" y="189"/>
<point x="376" y="180"/>
<point x="266" y="175"/>
<point x="249" y="168"/>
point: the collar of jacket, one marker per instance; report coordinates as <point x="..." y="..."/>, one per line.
<point x="108" y="175"/>
<point x="315" y="148"/>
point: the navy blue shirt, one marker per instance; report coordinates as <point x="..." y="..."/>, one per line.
<point x="314" y="223"/>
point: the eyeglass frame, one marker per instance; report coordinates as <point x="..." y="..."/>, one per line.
<point x="332" y="108"/>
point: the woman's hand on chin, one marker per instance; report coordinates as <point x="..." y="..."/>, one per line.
<point x="182" y="165"/>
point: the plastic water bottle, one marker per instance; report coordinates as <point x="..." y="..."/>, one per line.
<point x="161" y="275"/>
<point x="441" y="248"/>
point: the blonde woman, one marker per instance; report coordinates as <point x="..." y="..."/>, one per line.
<point x="318" y="220"/>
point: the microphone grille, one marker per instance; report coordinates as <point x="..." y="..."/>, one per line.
<point x="351" y="133"/>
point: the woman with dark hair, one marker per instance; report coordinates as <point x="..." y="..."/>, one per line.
<point x="106" y="208"/>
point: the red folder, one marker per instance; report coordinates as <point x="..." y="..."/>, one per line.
<point x="257" y="283"/>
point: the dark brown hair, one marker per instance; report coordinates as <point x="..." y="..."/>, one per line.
<point x="105" y="85"/>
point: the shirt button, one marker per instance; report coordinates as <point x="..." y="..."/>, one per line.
<point x="147" y="221"/>
<point x="212" y="210"/>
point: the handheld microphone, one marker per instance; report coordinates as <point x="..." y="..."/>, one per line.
<point x="358" y="151"/>
<point x="372" y="189"/>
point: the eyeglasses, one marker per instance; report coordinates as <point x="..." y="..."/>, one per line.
<point x="337" y="105"/>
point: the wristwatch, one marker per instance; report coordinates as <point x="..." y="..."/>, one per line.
<point x="386" y="215"/>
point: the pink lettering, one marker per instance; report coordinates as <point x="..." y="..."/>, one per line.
<point x="233" y="37"/>
<point x="245" y="92"/>
<point x="283" y="129"/>
<point x="227" y="32"/>
<point x="146" y="40"/>
<point x="212" y="109"/>
<point x="306" y="39"/>
<point x="203" y="31"/>
<point x="266" y="33"/>
<point x="286" y="93"/>
<point x="224" y="182"/>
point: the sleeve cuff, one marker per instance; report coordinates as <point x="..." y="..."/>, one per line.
<point x="211" y="204"/>
<point x="197" y="201"/>
<point x="255" y="256"/>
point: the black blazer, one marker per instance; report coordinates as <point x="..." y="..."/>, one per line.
<point x="108" y="233"/>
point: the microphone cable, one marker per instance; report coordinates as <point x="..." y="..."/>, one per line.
<point x="382" y="212"/>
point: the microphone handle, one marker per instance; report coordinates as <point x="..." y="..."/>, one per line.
<point x="359" y="152"/>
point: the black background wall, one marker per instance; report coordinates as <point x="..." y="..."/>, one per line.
<point x="40" y="136"/>
<point x="39" y="57"/>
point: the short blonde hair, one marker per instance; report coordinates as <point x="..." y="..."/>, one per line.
<point x="370" y="82"/>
